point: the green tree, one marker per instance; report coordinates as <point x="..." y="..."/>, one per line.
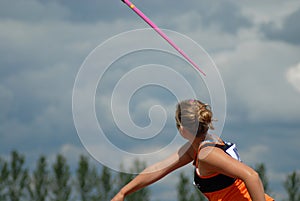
<point x="105" y="184"/>
<point x="4" y="173"/>
<point x="198" y="195"/>
<point x="292" y="186"/>
<point x="39" y="183"/>
<point x="183" y="189"/>
<point x="18" y="177"/>
<point x="61" y="180"/>
<point x="86" y="180"/>
<point x="186" y="191"/>
<point x="124" y="178"/>
<point x="261" y="170"/>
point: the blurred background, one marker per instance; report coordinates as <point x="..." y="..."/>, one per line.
<point x="255" y="45"/>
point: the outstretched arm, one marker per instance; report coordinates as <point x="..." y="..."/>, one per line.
<point x="157" y="171"/>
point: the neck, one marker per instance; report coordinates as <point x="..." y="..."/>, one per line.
<point x="196" y="142"/>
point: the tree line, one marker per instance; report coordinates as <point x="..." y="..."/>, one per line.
<point x="56" y="182"/>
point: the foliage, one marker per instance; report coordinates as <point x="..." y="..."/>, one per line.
<point x="60" y="182"/>
<point x="187" y="192"/>
<point x="261" y="170"/>
<point x="292" y="186"/>
<point x="92" y="184"/>
<point x="4" y="174"/>
<point x="86" y="181"/>
<point x="124" y="178"/>
<point x="105" y="184"/>
<point x="18" y="177"/>
<point x="38" y="188"/>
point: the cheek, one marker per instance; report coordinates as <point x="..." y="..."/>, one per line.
<point x="184" y="135"/>
<point x="181" y="133"/>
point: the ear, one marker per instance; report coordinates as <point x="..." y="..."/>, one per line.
<point x="182" y="130"/>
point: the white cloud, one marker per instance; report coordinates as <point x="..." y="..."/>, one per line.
<point x="41" y="52"/>
<point x="71" y="152"/>
<point x="268" y="11"/>
<point x="254" y="75"/>
<point x="293" y="76"/>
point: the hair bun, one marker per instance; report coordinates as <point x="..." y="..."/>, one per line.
<point x="205" y="115"/>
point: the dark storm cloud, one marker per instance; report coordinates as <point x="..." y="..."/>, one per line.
<point x="44" y="42"/>
<point x="92" y="10"/>
<point x="76" y="10"/>
<point x="224" y="14"/>
<point x="289" y="32"/>
<point x="31" y="10"/>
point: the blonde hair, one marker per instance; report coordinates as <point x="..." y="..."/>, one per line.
<point x="194" y="116"/>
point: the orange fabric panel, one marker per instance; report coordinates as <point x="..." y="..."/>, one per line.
<point x="236" y="192"/>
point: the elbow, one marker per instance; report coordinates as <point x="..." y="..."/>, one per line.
<point x="252" y="176"/>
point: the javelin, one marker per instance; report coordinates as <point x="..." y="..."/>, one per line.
<point x="161" y="33"/>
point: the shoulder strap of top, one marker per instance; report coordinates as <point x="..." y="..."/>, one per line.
<point x="212" y="142"/>
<point x="212" y="145"/>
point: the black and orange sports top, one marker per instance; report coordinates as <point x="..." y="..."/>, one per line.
<point x="219" y="187"/>
<point x="218" y="181"/>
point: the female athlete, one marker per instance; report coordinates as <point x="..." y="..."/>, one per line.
<point x="219" y="174"/>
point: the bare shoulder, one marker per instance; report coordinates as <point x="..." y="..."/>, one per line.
<point x="209" y="152"/>
<point x="215" y="157"/>
<point x="219" y="161"/>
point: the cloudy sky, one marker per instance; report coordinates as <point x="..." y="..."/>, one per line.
<point x="254" y="44"/>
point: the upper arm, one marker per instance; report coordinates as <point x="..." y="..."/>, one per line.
<point x="218" y="161"/>
<point x="178" y="159"/>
